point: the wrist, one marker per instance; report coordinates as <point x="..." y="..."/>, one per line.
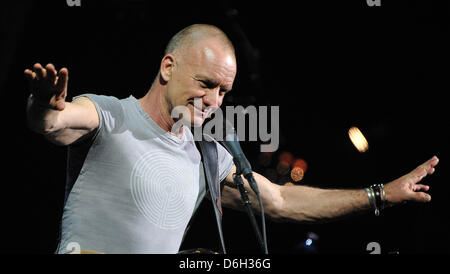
<point x="377" y="197"/>
<point x="37" y="104"/>
<point x="41" y="118"/>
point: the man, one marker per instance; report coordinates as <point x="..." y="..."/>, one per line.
<point x="133" y="184"/>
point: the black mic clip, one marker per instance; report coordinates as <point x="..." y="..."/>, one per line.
<point x="244" y="168"/>
<point x="239" y="182"/>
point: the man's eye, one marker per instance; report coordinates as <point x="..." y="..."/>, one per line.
<point x="207" y="83"/>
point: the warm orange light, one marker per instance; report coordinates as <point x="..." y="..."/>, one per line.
<point x="287" y="157"/>
<point x="358" y="139"/>
<point x="301" y="164"/>
<point x="297" y="174"/>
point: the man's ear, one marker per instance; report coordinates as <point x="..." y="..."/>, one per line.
<point x="167" y="66"/>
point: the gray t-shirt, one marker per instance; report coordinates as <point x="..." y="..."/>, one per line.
<point x="138" y="185"/>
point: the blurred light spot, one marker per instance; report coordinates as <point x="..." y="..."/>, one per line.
<point x="286" y="157"/>
<point x="313" y="236"/>
<point x="308" y="242"/>
<point x="297" y="174"/>
<point x="358" y="139"/>
<point x="301" y="164"/>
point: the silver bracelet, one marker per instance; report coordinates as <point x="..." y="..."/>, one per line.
<point x="371" y="197"/>
<point x="372" y="201"/>
<point x="383" y="196"/>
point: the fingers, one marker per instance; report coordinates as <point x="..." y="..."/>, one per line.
<point x="425" y="169"/>
<point x="30" y="75"/>
<point x="430" y="164"/>
<point x="51" y="74"/>
<point x="431" y="170"/>
<point x="407" y="188"/>
<point x="419" y="190"/>
<point x="420" y="187"/>
<point x="419" y="173"/>
<point x="46" y="78"/>
<point x="40" y="71"/>
<point x="421" y="197"/>
<point x="419" y="193"/>
<point x="48" y="85"/>
<point x="61" y="84"/>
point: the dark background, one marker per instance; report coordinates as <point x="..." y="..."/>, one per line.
<point x="329" y="65"/>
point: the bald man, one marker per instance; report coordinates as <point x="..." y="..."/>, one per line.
<point x="133" y="184"/>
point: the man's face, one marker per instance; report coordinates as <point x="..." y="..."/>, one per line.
<point x="204" y="74"/>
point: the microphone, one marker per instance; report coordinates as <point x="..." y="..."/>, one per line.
<point x="243" y="167"/>
<point x="231" y="143"/>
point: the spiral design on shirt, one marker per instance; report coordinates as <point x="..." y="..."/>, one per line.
<point x="163" y="189"/>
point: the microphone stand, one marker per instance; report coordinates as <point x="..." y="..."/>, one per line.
<point x="239" y="182"/>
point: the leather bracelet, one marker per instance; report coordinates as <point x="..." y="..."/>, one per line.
<point x="378" y="199"/>
<point x="379" y="195"/>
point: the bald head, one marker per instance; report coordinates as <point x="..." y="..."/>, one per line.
<point x="191" y="36"/>
<point x="199" y="64"/>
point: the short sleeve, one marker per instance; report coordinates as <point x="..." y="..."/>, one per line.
<point x="225" y="162"/>
<point x="110" y="112"/>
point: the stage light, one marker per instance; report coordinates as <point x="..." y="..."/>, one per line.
<point x="286" y="157"/>
<point x="308" y="242"/>
<point x="309" y="246"/>
<point x="297" y="174"/>
<point x="301" y="164"/>
<point x="358" y="139"/>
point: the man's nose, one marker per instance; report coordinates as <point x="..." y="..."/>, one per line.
<point x="211" y="99"/>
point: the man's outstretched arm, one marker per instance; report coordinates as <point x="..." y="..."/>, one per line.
<point x="309" y="204"/>
<point x="49" y="114"/>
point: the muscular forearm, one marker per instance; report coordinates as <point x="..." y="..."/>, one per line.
<point x="299" y="203"/>
<point x="308" y="204"/>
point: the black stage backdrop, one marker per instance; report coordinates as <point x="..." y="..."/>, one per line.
<point x="329" y="65"/>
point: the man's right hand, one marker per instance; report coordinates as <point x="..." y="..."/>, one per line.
<point x="48" y="87"/>
<point x="48" y="113"/>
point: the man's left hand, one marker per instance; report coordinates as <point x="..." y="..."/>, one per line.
<point x="407" y="187"/>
